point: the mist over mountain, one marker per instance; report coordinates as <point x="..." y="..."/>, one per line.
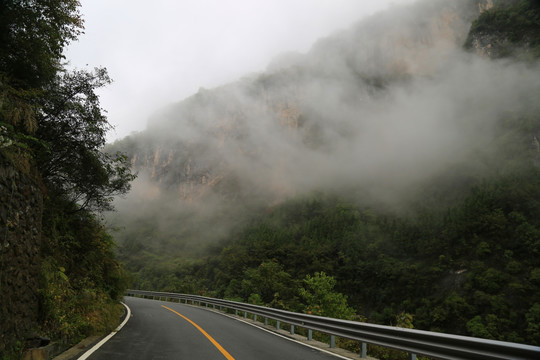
<point x="372" y="112"/>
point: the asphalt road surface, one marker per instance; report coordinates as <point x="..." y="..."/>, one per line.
<point x="165" y="330"/>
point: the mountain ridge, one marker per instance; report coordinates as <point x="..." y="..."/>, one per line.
<point x="218" y="118"/>
<point x="334" y="121"/>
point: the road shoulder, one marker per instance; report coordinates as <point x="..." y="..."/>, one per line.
<point x="92" y="343"/>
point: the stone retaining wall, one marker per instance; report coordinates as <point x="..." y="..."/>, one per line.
<point x="21" y="207"/>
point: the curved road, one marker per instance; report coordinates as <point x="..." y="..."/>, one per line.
<point x="165" y="330"/>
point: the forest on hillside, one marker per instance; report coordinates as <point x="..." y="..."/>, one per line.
<point x="453" y="249"/>
<point x="468" y="269"/>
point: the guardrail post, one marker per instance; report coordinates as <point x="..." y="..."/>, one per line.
<point x="236" y="312"/>
<point x="245" y="314"/>
<point x="332" y="341"/>
<point x="265" y="321"/>
<point x="412" y="356"/>
<point x="310" y="334"/>
<point x="254" y="317"/>
<point x="278" y="325"/>
<point x="292" y="329"/>
<point x="363" y="353"/>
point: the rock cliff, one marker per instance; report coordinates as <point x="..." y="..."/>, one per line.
<point x="509" y="30"/>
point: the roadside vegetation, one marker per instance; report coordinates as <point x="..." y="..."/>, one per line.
<point x="53" y="129"/>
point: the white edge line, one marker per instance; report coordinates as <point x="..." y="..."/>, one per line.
<point x="105" y="339"/>
<point x="288" y="338"/>
<point x="271" y="332"/>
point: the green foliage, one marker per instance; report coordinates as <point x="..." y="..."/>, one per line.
<point x="517" y="21"/>
<point x="467" y="269"/>
<point x="321" y="299"/>
<point x="533" y="323"/>
<point x="269" y="282"/>
<point x="81" y="279"/>
<point x="53" y="114"/>
<point x="73" y="126"/>
<point x="33" y="34"/>
<point x="14" y="353"/>
<point x="255" y="299"/>
<point x="17" y="108"/>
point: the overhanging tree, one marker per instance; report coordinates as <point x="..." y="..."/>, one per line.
<point x="72" y="127"/>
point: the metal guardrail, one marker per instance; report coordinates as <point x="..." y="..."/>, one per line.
<point x="415" y="342"/>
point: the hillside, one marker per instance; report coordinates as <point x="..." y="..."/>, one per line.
<point x="399" y="156"/>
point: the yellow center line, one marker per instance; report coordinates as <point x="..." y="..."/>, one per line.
<point x="214" y="342"/>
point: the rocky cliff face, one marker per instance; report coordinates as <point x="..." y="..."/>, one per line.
<point x="509" y="30"/>
<point x="21" y="206"/>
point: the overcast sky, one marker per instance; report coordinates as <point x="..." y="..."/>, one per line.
<point x="163" y="51"/>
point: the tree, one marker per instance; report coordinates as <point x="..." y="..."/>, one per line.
<point x="321" y="299"/>
<point x="270" y="282"/>
<point x="533" y="324"/>
<point x="33" y="34"/>
<point x="72" y="127"/>
<point x="54" y="112"/>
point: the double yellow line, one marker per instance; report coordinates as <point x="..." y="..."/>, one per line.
<point x="214" y="342"/>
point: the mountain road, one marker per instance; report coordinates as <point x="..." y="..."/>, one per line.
<point x="166" y="330"/>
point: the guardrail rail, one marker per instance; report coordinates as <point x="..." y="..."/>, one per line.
<point x="415" y="342"/>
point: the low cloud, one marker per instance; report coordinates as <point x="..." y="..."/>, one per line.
<point x="382" y="107"/>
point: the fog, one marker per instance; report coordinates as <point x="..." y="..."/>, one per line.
<point x="371" y="113"/>
<point x="164" y="51"/>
